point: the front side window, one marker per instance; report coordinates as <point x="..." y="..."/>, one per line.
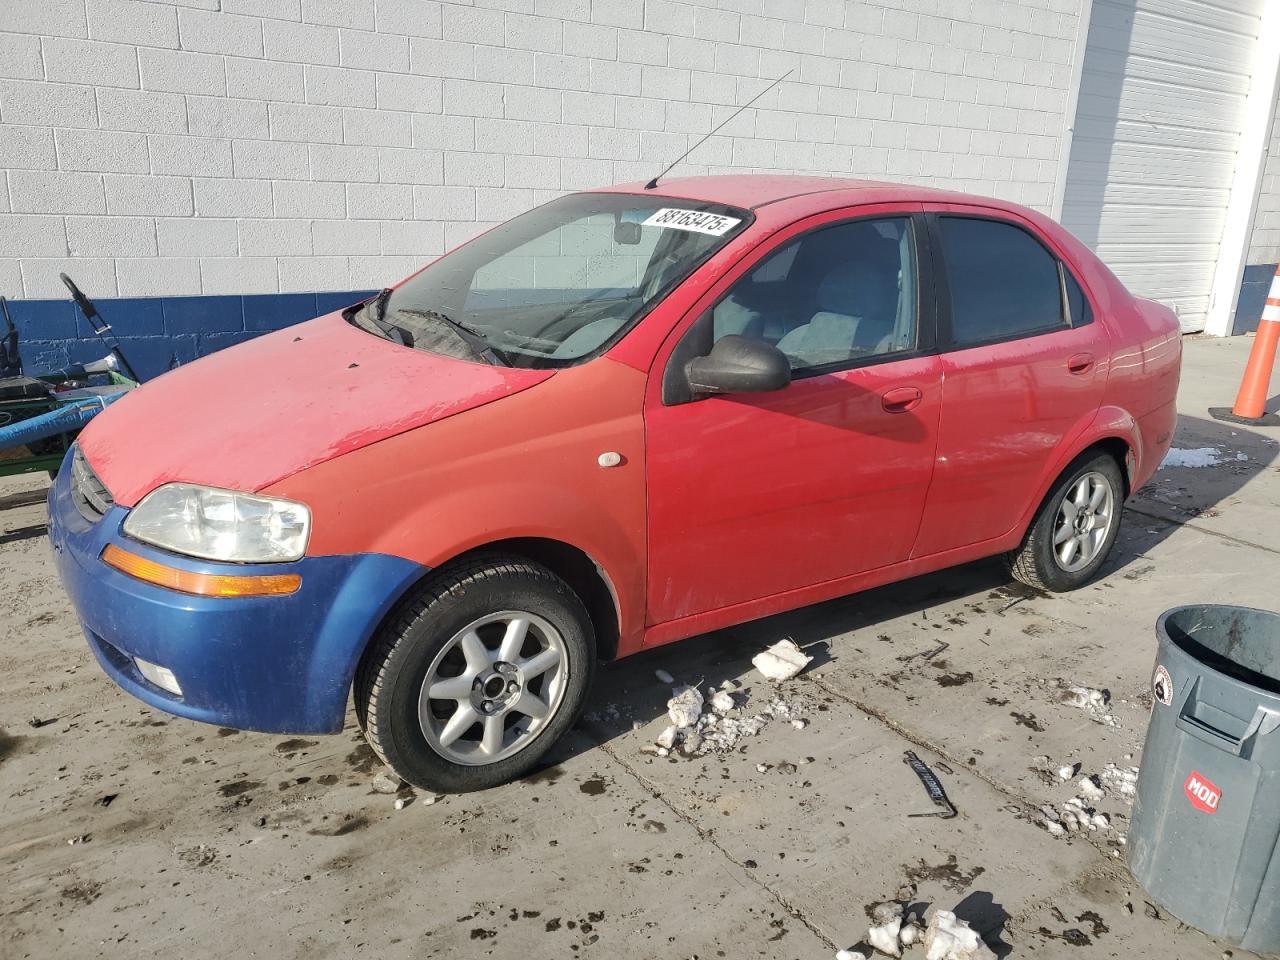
<point x="1003" y="282"/>
<point x="557" y="284"/>
<point x="834" y="296"/>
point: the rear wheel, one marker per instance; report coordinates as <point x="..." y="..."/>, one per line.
<point x="1076" y="527"/>
<point x="478" y="676"/>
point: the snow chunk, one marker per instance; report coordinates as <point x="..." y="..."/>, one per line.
<point x="851" y="955"/>
<point x="1089" y="787"/>
<point x="911" y="933"/>
<point x="950" y="938"/>
<point x="884" y="937"/>
<point x="667" y="738"/>
<point x="1066" y="772"/>
<point x="782" y="661"/>
<point x="1198" y="457"/>
<point x="722" y="701"/>
<point x="1123" y="781"/>
<point x="685" y="707"/>
<point x="664" y="677"/>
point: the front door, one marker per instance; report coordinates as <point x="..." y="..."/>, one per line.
<point x="752" y="495"/>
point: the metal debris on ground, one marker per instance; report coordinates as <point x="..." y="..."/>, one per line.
<point x="932" y="786"/>
<point x="782" y="661"/>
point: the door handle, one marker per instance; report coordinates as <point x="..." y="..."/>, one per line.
<point x="1080" y="363"/>
<point x="900" y="399"/>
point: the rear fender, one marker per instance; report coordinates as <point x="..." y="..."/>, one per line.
<point x="1107" y="423"/>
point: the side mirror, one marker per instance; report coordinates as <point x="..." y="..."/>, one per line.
<point x="739" y="365"/>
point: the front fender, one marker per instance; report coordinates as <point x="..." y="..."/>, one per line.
<point x="525" y="466"/>
<point x="464" y="520"/>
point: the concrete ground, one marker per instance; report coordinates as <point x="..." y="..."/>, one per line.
<point x="125" y="832"/>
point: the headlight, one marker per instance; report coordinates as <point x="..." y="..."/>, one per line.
<point x="218" y="524"/>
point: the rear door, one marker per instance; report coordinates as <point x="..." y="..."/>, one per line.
<point x="1024" y="367"/>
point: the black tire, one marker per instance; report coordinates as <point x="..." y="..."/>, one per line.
<point x="1036" y="563"/>
<point x="392" y="673"/>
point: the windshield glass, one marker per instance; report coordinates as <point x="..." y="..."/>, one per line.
<point x="555" y="285"/>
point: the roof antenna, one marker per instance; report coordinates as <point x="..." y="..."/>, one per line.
<point x="654" y="182"/>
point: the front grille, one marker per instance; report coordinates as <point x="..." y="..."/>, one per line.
<point x="88" y="493"/>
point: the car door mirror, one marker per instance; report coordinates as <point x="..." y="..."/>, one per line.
<point x="739" y="365"/>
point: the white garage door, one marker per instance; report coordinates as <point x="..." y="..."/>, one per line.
<point x="1154" y="148"/>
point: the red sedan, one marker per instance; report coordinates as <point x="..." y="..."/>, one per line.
<point x="623" y="418"/>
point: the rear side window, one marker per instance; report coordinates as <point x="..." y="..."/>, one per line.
<point x="1003" y="282"/>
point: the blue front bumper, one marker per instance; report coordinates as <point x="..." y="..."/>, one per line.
<point x="281" y="664"/>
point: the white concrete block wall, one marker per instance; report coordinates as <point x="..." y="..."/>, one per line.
<point x="1264" y="244"/>
<point x="169" y="147"/>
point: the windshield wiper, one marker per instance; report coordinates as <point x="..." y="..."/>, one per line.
<point x="468" y="336"/>
<point x="374" y="311"/>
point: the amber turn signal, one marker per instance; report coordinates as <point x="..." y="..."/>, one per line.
<point x="200" y="584"/>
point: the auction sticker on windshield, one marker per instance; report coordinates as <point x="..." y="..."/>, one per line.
<point x="710" y="223"/>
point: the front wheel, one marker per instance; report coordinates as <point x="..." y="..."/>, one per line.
<point x="478" y="676"/>
<point x="1076" y="527"/>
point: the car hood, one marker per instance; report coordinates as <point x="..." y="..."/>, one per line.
<point x="253" y="414"/>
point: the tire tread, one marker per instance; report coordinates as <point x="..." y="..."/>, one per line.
<point x="374" y="671"/>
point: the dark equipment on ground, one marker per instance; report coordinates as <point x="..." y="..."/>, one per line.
<point x="932" y="786"/>
<point x="41" y="415"/>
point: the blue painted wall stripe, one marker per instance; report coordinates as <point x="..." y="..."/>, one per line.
<point x="1253" y="297"/>
<point x="159" y="333"/>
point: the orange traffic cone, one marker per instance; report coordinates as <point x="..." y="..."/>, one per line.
<point x="1251" y="401"/>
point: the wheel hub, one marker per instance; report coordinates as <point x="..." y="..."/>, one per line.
<point x="495" y="689"/>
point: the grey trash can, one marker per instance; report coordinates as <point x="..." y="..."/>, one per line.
<point x="1206" y="817"/>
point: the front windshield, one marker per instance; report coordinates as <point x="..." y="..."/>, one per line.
<point x="555" y="285"/>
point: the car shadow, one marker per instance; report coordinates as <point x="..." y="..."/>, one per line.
<point x="1178" y="493"/>
<point x="1153" y="514"/>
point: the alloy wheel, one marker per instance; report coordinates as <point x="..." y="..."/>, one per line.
<point x="1084" y="522"/>
<point x="493" y="687"/>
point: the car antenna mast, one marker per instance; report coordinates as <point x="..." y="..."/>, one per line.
<point x="654" y="182"/>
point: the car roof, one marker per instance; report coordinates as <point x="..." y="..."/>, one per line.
<point x="756" y="190"/>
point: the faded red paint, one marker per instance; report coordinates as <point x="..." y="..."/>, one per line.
<point x="721" y="510"/>
<point x="252" y="414"/>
